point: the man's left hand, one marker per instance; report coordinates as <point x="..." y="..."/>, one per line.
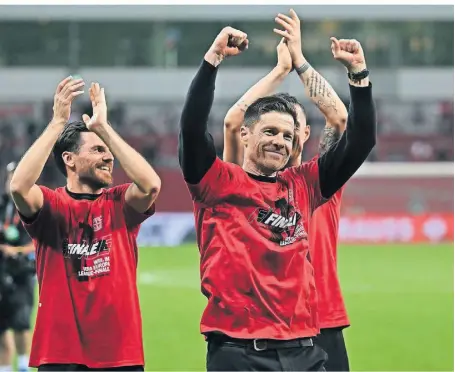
<point x="292" y="35"/>
<point x="99" y="118"/>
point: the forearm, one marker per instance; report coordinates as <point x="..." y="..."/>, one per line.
<point x="32" y="163"/>
<point x="26" y="249"/>
<point x="321" y="93"/>
<point x="138" y="170"/>
<point x="264" y="87"/>
<point x="343" y="159"/>
<point x="196" y="149"/>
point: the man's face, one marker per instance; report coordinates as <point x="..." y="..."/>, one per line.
<point x="269" y="141"/>
<point x="93" y="163"/>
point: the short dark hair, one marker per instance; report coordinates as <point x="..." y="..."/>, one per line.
<point x="69" y="140"/>
<point x="268" y="104"/>
<point x="290" y="99"/>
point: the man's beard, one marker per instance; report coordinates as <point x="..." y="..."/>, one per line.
<point x="91" y="179"/>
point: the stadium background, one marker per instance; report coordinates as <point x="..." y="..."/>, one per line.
<point x="396" y="256"/>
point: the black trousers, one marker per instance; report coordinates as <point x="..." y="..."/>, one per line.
<point x="241" y="355"/>
<point x="16" y="305"/>
<point x="81" y="367"/>
<point x="332" y="341"/>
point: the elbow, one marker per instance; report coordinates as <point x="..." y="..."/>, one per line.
<point x="231" y="127"/>
<point x="342" y="121"/>
<point x="153" y="187"/>
<point x="232" y="122"/>
<point x="16" y="187"/>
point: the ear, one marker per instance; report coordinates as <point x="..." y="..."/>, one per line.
<point x="305" y="134"/>
<point x="68" y="159"/>
<point x="244" y="135"/>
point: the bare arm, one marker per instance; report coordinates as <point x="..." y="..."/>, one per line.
<point x="233" y="150"/>
<point x="26" y="194"/>
<point x="317" y="89"/>
<point x="326" y="99"/>
<point x="146" y="185"/>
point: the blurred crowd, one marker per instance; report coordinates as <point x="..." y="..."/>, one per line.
<point x="408" y="131"/>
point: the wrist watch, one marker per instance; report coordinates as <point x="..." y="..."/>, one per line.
<point x="357" y="76"/>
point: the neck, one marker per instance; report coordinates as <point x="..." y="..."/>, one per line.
<point x="74" y="185"/>
<point x="251" y="168"/>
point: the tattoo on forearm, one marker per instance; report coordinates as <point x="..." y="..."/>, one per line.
<point x="330" y="136"/>
<point x="320" y="89"/>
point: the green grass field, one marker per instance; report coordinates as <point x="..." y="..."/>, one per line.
<point x="399" y="298"/>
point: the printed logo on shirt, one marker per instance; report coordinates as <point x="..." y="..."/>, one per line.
<point x="284" y="223"/>
<point x="90" y="257"/>
<point x="97" y="223"/>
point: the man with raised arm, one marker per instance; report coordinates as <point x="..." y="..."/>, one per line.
<point x="85" y="238"/>
<point x="252" y="221"/>
<point x="323" y="234"/>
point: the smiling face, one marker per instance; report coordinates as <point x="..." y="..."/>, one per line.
<point x="92" y="163"/>
<point x="269" y="142"/>
<point x="83" y="157"/>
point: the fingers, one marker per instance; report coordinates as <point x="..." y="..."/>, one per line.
<point x="86" y="118"/>
<point x="335" y="45"/>
<point x="282" y="33"/>
<point x="97" y="94"/>
<point x="235" y="38"/>
<point x="71" y="89"/>
<point x="348" y="45"/>
<point x="61" y="85"/>
<point x="239" y="43"/>
<point x="294" y="16"/>
<point x="285" y="18"/>
<point x="287" y="26"/>
<point x="234" y="33"/>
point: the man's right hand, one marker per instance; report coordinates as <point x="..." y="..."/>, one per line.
<point x="66" y="92"/>
<point x="292" y="35"/>
<point x="229" y="42"/>
<point x="284" y="57"/>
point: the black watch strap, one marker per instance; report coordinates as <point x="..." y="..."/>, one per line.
<point x="357" y="76"/>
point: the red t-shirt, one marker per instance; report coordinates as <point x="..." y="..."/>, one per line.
<point x="86" y="260"/>
<point x="323" y="245"/>
<point x="253" y="241"/>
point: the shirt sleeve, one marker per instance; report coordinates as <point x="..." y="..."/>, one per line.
<point x="196" y="147"/>
<point x="48" y="213"/>
<point x="307" y="176"/>
<point x="339" y="163"/>
<point x="216" y="184"/>
<point x="133" y="218"/>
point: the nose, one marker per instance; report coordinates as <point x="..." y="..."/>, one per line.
<point x="108" y="157"/>
<point x="278" y="141"/>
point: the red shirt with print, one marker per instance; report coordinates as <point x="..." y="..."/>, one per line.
<point x="86" y="261"/>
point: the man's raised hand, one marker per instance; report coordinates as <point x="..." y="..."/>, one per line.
<point x="229" y="42"/>
<point x="349" y="52"/>
<point x="284" y="57"/>
<point x="98" y="99"/>
<point x="291" y="34"/>
<point x="66" y="92"/>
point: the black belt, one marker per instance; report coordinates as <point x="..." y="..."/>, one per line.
<point x="260" y="344"/>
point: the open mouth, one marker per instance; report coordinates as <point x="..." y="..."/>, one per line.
<point x="105" y="168"/>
